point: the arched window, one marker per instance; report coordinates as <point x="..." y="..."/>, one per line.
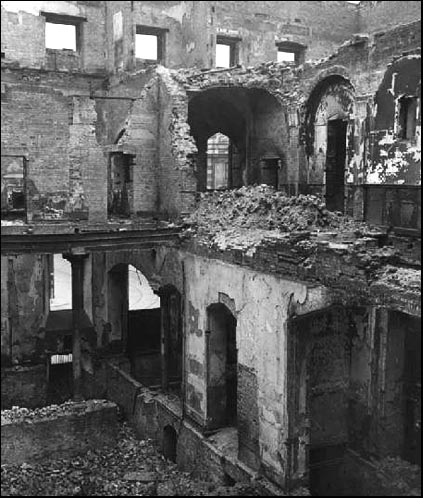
<point x="218" y="162"/>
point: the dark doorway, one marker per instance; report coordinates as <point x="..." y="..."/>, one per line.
<point x="223" y="365"/>
<point x="269" y="171"/>
<point x="170" y="443"/>
<point x="335" y="164"/>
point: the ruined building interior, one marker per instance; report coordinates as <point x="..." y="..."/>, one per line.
<point x="210" y="216"/>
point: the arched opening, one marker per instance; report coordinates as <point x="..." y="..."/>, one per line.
<point x="59" y="330"/>
<point x="222" y="357"/>
<point x="170" y="443"/>
<point x="134" y="321"/>
<point x="236" y="131"/>
<point x="329" y="128"/>
<point x="218" y="157"/>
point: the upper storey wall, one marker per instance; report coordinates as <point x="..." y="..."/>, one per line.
<point x="23" y="26"/>
<point x="385" y="15"/>
<point x="190" y="30"/>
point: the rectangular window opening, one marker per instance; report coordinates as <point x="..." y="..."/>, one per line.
<point x="61" y="36"/>
<point x="150" y="44"/>
<point x="290" y="52"/>
<point x="226" y="52"/>
<point x="407" y="117"/>
<point x="13" y="191"/>
<point x="62" y="32"/>
<point x="286" y="56"/>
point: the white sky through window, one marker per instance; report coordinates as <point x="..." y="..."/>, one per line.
<point x="59" y="36"/>
<point x="223" y="55"/>
<point x="146" y="47"/>
<point x="286" y="56"/>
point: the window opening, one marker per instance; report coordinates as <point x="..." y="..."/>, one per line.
<point x="226" y="52"/>
<point x="150" y="43"/>
<point x="60" y="284"/>
<point x="62" y="32"/>
<point x="290" y="52"/>
<point x="13" y="199"/>
<point x="60" y="36"/>
<point x="218" y="162"/>
<point x="286" y="56"/>
<point x="407" y="117"/>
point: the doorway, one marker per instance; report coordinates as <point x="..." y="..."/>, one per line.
<point x="335" y="164"/>
<point x="222" y="368"/>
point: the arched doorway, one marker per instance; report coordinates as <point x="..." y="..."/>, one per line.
<point x="236" y="130"/>
<point x="218" y="157"/>
<point x="170" y="443"/>
<point x="222" y="357"/>
<point x="329" y="124"/>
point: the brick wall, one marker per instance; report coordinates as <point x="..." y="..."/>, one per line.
<point x="59" y="436"/>
<point x="23" y="36"/>
<point x="66" y="171"/>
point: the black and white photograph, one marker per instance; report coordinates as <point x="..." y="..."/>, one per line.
<point x="211" y="248"/>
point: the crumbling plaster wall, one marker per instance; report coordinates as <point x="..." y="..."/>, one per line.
<point x="23" y="35"/>
<point x="261" y="304"/>
<point x="25" y="306"/>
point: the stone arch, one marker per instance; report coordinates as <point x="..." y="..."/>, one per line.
<point x="252" y="118"/>
<point x="328" y="131"/>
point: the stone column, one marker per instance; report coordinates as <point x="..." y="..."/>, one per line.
<point x="76" y="259"/>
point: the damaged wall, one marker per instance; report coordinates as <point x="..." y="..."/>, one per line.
<point x="25" y="302"/>
<point x="253" y="298"/>
<point x="23" y="35"/>
<point x="56" y="134"/>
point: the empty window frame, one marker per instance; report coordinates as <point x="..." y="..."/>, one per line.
<point x="290" y="52"/>
<point x="227" y="51"/>
<point x="13" y="190"/>
<point x="150" y="44"/>
<point x="407" y="117"/>
<point x="63" y="32"/>
<point x="218" y="162"/>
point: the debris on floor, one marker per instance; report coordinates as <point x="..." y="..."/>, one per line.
<point x="132" y="468"/>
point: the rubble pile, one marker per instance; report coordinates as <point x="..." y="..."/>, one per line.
<point x="131" y="468"/>
<point x="17" y="414"/>
<point x="248" y="215"/>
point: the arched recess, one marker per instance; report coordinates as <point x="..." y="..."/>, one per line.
<point x="222" y="367"/>
<point x="170" y="443"/>
<point x="329" y="131"/>
<point x="253" y="121"/>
